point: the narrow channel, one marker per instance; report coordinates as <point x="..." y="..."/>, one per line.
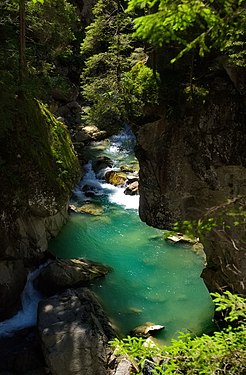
<point x="151" y="280"/>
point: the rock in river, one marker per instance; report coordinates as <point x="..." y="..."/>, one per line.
<point x="89" y="208"/>
<point x="66" y="273"/>
<point x="146" y="329"/>
<point x="74" y="332"/>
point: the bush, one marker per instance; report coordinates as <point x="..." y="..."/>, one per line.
<point x="224" y="352"/>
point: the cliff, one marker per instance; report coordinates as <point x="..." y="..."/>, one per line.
<point x="38" y="169"/>
<point x="192" y="163"/>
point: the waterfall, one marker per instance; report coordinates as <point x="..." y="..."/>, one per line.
<point x="27" y="316"/>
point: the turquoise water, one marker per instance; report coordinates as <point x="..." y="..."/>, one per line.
<point x="151" y="280"/>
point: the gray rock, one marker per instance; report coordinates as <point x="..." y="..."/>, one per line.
<point x="146" y="329"/>
<point x="100" y="163"/>
<point x="74" y="332"/>
<point x="12" y="282"/>
<point x="66" y="273"/>
<point x="90" y="133"/>
<point x="124" y="366"/>
<point x="190" y="165"/>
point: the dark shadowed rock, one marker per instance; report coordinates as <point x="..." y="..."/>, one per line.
<point x="74" y="332"/>
<point x="22" y="354"/>
<point x="192" y="164"/>
<point x="100" y="163"/>
<point x="65" y="273"/>
<point x="132" y="189"/>
<point x="12" y="282"/>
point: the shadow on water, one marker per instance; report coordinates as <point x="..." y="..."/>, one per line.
<point x="151" y="279"/>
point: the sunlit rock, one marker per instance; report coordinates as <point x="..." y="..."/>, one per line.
<point x="146" y="329"/>
<point x="132" y="189"/>
<point x="75" y="334"/>
<point x="88" y="208"/>
<point x="65" y="273"/>
<point x="115" y="178"/>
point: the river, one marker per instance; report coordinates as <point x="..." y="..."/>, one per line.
<point x="151" y="279"/>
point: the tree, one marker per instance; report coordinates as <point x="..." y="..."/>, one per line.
<point x="22" y="42"/>
<point x="37" y="37"/>
<point x="190" y="24"/>
<point x="114" y="62"/>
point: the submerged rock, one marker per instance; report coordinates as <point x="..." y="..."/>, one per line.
<point x="88" y="208"/>
<point x="146" y="329"/>
<point x="74" y="332"/>
<point x="66" y="273"/>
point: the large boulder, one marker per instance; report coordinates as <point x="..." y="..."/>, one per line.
<point x="89" y="133"/>
<point x="66" y="273"/>
<point x="74" y="332"/>
<point x="12" y="282"/>
<point x="115" y="178"/>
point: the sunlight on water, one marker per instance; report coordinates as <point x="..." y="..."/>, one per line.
<point x="151" y="280"/>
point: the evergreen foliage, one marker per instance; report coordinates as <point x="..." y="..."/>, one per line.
<point x="224" y="352"/>
<point x="191" y="24"/>
<point x="115" y="81"/>
<point x="50" y="32"/>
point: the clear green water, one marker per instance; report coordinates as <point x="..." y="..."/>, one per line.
<point x="151" y="280"/>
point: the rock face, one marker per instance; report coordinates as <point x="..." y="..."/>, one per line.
<point x="12" y="281"/>
<point x="66" y="273"/>
<point x="21" y="354"/>
<point x="74" y="332"/>
<point x="38" y="171"/>
<point x="193" y="163"/>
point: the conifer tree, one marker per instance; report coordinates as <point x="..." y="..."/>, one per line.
<point x="110" y="54"/>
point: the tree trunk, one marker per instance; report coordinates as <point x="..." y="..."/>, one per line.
<point x="22" y="42"/>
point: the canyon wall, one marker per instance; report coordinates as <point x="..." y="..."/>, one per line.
<point x="193" y="164"/>
<point x="38" y="170"/>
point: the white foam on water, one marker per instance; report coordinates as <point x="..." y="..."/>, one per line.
<point x="27" y="316"/>
<point x="116" y="195"/>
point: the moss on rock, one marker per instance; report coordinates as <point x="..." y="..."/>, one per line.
<point x="38" y="166"/>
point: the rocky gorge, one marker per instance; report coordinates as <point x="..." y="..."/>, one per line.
<point x="192" y="167"/>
